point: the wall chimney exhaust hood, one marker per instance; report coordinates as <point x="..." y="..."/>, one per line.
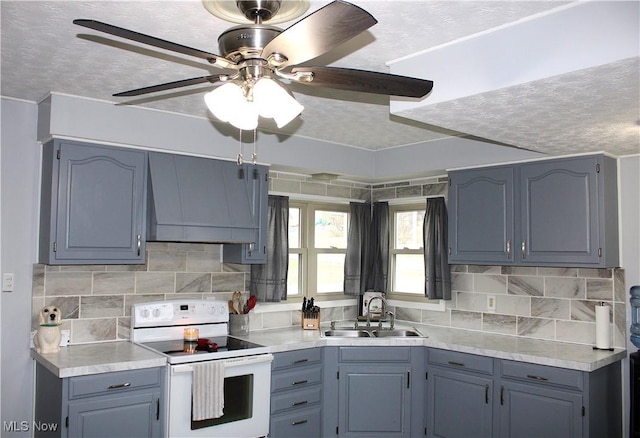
<point x="194" y="199"/>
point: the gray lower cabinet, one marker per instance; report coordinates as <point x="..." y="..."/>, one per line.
<point x="296" y="394"/>
<point x="93" y="204"/>
<point x="470" y="395"/>
<point x="118" y="404"/>
<point x="537" y="400"/>
<point x="459" y="395"/>
<point x="560" y="212"/>
<point x="374" y="391"/>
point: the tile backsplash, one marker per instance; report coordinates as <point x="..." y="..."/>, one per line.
<point x="533" y="302"/>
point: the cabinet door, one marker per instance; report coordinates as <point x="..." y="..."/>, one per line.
<point x="481" y="210"/>
<point x="459" y="404"/>
<point x="374" y="401"/>
<point x="131" y="415"/>
<point x="558" y="212"/>
<point x="536" y="411"/>
<point x="97" y="205"/>
<point x="257" y="179"/>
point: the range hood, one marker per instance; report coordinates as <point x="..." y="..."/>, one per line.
<point x="194" y="199"/>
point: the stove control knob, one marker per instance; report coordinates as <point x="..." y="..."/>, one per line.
<point x="156" y="312"/>
<point x="145" y="313"/>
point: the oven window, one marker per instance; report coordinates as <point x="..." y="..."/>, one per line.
<point x="238" y="402"/>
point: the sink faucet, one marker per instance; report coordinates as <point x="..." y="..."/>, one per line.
<point x="384" y="308"/>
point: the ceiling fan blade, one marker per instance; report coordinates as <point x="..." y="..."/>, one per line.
<point x="156" y="42"/>
<point x="319" y="32"/>
<point x="169" y="86"/>
<point x="366" y="81"/>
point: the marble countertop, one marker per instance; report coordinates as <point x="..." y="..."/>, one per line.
<point x="84" y="359"/>
<point x="105" y="357"/>
<point x="557" y="354"/>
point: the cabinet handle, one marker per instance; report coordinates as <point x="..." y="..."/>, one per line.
<point x="300" y="382"/>
<point x="458" y="364"/>
<point x="509" y="248"/>
<point x="449" y="250"/>
<point x="139" y="243"/>
<point x="531" y="376"/>
<point x="298" y="423"/>
<point x="502" y="396"/>
<point x="524" y="249"/>
<point x="303" y="402"/>
<point x="486" y="394"/>
<point x="120" y="385"/>
<point x="300" y="361"/>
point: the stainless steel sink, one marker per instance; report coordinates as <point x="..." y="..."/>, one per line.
<point x="396" y="333"/>
<point x="348" y="333"/>
<point x="371" y="332"/>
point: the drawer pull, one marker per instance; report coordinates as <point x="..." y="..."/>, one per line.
<point x="298" y="423"/>
<point x="300" y="361"/>
<point x="300" y="382"/>
<point x="458" y="364"/>
<point x="304" y="402"/>
<point x="120" y="385"/>
<point x="531" y="376"/>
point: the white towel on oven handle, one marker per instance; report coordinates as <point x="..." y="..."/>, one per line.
<point x="208" y="390"/>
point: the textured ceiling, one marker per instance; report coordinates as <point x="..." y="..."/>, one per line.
<point x="592" y="109"/>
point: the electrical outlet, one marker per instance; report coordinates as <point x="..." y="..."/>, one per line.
<point x="491" y="303"/>
<point x="7" y="282"/>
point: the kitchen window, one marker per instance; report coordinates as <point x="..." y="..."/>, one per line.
<point x="317" y="249"/>
<point x="406" y="251"/>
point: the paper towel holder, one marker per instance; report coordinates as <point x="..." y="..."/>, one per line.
<point x="604" y="304"/>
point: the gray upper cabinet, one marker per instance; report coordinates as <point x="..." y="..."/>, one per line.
<point x="93" y="203"/>
<point x="255" y="252"/>
<point x="560" y="212"/>
<point x="481" y="211"/>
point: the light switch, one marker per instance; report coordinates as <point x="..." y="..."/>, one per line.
<point x="7" y="282"/>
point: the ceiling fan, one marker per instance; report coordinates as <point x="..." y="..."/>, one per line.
<point x="260" y="56"/>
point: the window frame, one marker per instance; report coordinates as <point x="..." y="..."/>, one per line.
<point x="393" y="251"/>
<point x="308" y="252"/>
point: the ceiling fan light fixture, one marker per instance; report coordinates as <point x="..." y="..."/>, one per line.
<point x="272" y="100"/>
<point x="228" y="104"/>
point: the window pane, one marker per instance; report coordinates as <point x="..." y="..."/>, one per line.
<point x="331" y="229"/>
<point x="294" y="227"/>
<point x="408" y="232"/>
<point x="293" y="277"/>
<point x="409" y="273"/>
<point x="330" y="273"/>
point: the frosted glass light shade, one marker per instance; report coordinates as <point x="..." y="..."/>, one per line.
<point x="273" y="100"/>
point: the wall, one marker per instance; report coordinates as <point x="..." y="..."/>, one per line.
<point x="20" y="187"/>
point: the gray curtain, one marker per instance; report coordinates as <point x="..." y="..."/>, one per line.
<point x="436" y="267"/>
<point x="367" y="256"/>
<point x="378" y="255"/>
<point x="269" y="281"/>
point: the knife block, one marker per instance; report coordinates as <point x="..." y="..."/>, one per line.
<point x="310" y="320"/>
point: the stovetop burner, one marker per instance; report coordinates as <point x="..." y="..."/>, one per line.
<point x="179" y="347"/>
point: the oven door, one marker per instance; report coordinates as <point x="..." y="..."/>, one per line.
<point x="247" y="391"/>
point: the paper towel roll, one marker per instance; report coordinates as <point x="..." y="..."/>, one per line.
<point x="603" y="327"/>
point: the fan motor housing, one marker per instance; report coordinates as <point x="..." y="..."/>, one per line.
<point x="246" y="41"/>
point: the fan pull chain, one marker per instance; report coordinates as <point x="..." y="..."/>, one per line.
<point x="240" y="158"/>
<point x="254" y="155"/>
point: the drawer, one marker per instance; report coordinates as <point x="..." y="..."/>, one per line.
<point x="375" y="354"/>
<point x="108" y="383"/>
<point x="542" y="374"/>
<point x="296" y="378"/>
<point x="296" y="399"/>
<point x="296" y="358"/>
<point x="304" y="423"/>
<point x="461" y="361"/>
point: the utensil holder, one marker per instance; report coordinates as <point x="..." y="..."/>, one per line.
<point x="311" y="320"/>
<point x="238" y="324"/>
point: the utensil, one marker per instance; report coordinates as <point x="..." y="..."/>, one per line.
<point x="237" y="302"/>
<point x="251" y="303"/>
<point x="231" y="307"/>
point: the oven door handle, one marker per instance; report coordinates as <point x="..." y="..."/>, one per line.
<point x="228" y="363"/>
